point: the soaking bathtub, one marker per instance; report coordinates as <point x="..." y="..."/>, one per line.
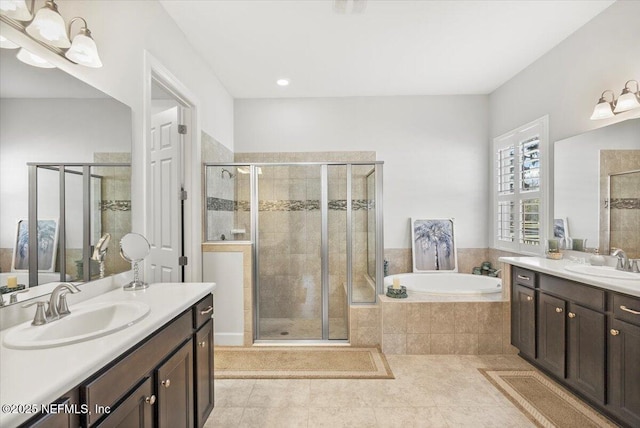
<point x="447" y="283"/>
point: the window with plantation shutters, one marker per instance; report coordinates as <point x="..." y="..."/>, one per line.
<point x="518" y="179"/>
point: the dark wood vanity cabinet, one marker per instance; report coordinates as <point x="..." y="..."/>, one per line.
<point x="203" y="366"/>
<point x="62" y="419"/>
<point x="174" y="383"/>
<point x="523" y="316"/>
<point x="585" y="337"/>
<point x="624" y="359"/>
<point x="551" y="334"/>
<point x="165" y="381"/>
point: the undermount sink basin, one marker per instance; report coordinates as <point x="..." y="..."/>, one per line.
<point x="84" y="323"/>
<point x="603" y="271"/>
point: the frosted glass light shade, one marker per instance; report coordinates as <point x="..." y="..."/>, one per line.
<point x="33" y="59"/>
<point x="48" y="26"/>
<point x="7" y="44"/>
<point x="84" y="51"/>
<point x="602" y="110"/>
<point x="627" y="101"/>
<point x="15" y="9"/>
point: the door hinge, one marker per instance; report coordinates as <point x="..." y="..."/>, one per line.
<point x="183" y="195"/>
<point x="183" y="261"/>
<point x="182" y="129"/>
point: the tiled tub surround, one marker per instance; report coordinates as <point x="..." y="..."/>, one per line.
<point x="430" y="324"/>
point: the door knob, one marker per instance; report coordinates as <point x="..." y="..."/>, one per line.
<point x="614" y="332"/>
<point x="558" y="310"/>
<point x="166" y="383"/>
<point x="572" y="315"/>
<point x="150" y="400"/>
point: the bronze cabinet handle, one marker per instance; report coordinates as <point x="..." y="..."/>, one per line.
<point x="202" y="344"/>
<point x="206" y="311"/>
<point x="150" y="400"/>
<point x="529" y="298"/>
<point x="614" y="332"/>
<point x="624" y="308"/>
<point x="571" y="315"/>
<point x="524" y="278"/>
<point x="166" y="383"/>
<point x="558" y="310"/>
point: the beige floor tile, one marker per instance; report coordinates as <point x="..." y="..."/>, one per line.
<point x="408" y="417"/>
<point x="224" y="417"/>
<point x="332" y="417"/>
<point x="233" y="392"/>
<point x="284" y="417"/>
<point x="279" y="393"/>
<point x="335" y="393"/>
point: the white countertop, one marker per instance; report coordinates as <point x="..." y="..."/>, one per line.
<point x="557" y="268"/>
<point x="40" y="376"/>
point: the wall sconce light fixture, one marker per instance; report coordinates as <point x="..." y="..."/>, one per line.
<point x="48" y="28"/>
<point x="628" y="100"/>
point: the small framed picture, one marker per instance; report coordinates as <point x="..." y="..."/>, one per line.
<point x="433" y="245"/>
<point x="47" y="246"/>
<point x="561" y="231"/>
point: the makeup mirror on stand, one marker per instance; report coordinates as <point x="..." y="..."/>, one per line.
<point x="134" y="248"/>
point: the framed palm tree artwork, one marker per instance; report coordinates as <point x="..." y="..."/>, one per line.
<point x="433" y="245"/>
<point x="47" y="246"/>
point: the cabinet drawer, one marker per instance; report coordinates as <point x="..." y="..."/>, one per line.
<point x="524" y="277"/>
<point x="109" y="386"/>
<point x="202" y="311"/>
<point x="626" y="308"/>
<point x="578" y="293"/>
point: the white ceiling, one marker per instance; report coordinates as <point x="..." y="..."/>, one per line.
<point x="392" y="48"/>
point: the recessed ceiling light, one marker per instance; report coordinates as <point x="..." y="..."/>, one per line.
<point x="282" y="82"/>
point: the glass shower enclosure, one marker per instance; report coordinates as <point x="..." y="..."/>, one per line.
<point x="316" y="235"/>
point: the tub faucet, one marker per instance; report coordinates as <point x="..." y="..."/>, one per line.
<point x="57" y="303"/>
<point x="623" y="260"/>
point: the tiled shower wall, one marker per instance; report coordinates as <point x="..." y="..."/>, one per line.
<point x="220" y="189"/>
<point x="625" y="202"/>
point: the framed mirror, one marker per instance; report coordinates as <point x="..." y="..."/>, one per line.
<point x="49" y="118"/>
<point x="582" y="167"/>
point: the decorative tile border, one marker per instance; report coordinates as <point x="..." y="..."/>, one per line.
<point x="218" y="204"/>
<point x="115" y="205"/>
<point x="625" y="203"/>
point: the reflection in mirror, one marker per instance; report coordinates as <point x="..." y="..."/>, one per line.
<point x="582" y="165"/>
<point x="49" y="118"/>
<point x="134" y="248"/>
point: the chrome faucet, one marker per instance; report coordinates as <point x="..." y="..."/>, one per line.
<point x="623" y="260"/>
<point x="58" y="303"/>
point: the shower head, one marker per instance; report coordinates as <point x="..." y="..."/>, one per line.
<point x="231" y="175"/>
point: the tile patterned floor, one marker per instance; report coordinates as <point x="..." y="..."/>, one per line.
<point x="429" y="391"/>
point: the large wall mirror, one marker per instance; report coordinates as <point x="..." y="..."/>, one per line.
<point x="597" y="186"/>
<point x="48" y="119"/>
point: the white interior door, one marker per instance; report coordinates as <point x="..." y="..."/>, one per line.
<point x="165" y="228"/>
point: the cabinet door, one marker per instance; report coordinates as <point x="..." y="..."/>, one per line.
<point x="204" y="372"/>
<point x="551" y="333"/>
<point x="586" y="351"/>
<point x="135" y="411"/>
<point x="523" y="320"/>
<point x="624" y="371"/>
<point x="64" y="419"/>
<point x="174" y="386"/>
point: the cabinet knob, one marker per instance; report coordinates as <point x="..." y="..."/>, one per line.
<point x="150" y="400"/>
<point x="614" y="332"/>
<point x="529" y="298"/>
<point x="166" y="383"/>
<point x="202" y="344"/>
<point x="558" y="310"/>
<point x="571" y="315"/>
